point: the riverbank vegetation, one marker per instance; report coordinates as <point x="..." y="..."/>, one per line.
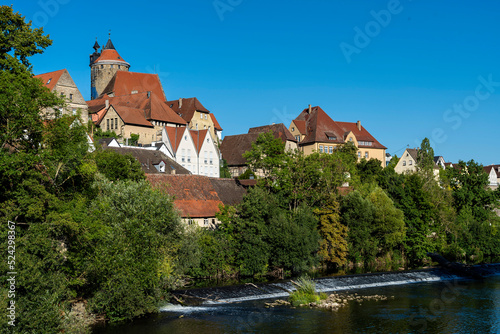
<point x="91" y="234"/>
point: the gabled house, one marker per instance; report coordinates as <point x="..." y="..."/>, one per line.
<point x="61" y="83"/>
<point x="144" y="114"/>
<point x="194" y="150"/>
<point x="408" y="161"/>
<point x="152" y="161"/>
<point x="108" y="142"/>
<point x="493" y="172"/>
<point x="233" y="147"/>
<point x="196" y="116"/>
<point x="198" y="198"/>
<point x="315" y="131"/>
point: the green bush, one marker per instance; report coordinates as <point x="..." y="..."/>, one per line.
<point x="305" y="292"/>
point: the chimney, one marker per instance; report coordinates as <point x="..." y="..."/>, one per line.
<point x="358" y="124"/>
<point x="107" y="104"/>
<point x="309" y="109"/>
<point x="180" y="103"/>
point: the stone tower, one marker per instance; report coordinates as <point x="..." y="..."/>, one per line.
<point x="103" y="67"/>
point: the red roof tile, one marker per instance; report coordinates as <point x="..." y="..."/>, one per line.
<point x="319" y="127"/>
<point x="50" y="79"/>
<point x="153" y="108"/>
<point x="132" y="115"/>
<point x="111" y="55"/>
<point x="188" y="107"/>
<point x="279" y="131"/>
<point x="124" y="83"/>
<point x="198" y="196"/>
<point x="175" y="136"/>
<point x="233" y="147"/>
<point x="301" y="125"/>
<point x="198" y="138"/>
<point x="216" y="124"/>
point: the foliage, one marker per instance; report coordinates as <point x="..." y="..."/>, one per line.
<point x="267" y="235"/>
<point x="425" y="157"/>
<point x="248" y="174"/>
<point x="98" y="134"/>
<point x="224" y="172"/>
<point x="267" y="154"/>
<point x="129" y="267"/>
<point x="333" y="244"/>
<point x="369" y="170"/>
<point x="116" y="166"/>
<point x="134" y="139"/>
<point x="305" y="292"/>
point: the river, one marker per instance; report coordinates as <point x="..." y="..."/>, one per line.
<point x="426" y="302"/>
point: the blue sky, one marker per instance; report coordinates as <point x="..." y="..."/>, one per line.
<point x="406" y="69"/>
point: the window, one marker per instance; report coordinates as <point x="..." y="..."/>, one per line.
<point x="211" y="160"/>
<point x="111" y="65"/>
<point x="206" y="157"/>
<point x="102" y="66"/>
<point x="410" y="162"/>
<point x="206" y="170"/>
<point x="297" y="138"/>
<point x="330" y="149"/>
<point x="206" y="116"/>
<point x="201" y="116"/>
<point x="320" y="148"/>
<point x="350" y="139"/>
<point x="111" y="124"/>
<point x="359" y="154"/>
<point x="116" y="123"/>
<point x="189" y="155"/>
<point x="185" y="137"/>
<point x="49" y="81"/>
<point x="183" y="158"/>
<point x="74" y="111"/>
<point x="404" y="162"/>
<point x="119" y="66"/>
<point x="366" y="155"/>
<point x="71" y="96"/>
<point x="205" y="222"/>
<point x="107" y="124"/>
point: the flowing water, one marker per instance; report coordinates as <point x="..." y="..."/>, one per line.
<point x="423" y="301"/>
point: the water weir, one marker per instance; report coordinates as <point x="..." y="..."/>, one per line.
<point x="251" y="291"/>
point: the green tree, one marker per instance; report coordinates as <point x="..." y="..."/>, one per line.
<point x="131" y="259"/>
<point x="333" y="244"/>
<point x="224" y="172"/>
<point x="267" y="154"/>
<point x="425" y="158"/>
<point x="116" y="166"/>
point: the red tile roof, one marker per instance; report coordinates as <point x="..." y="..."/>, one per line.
<point x="319" y="127"/>
<point x="301" y="125"/>
<point x="132" y="115"/>
<point x="198" y="138"/>
<point x="124" y="83"/>
<point x="197" y="196"/>
<point x="279" y="130"/>
<point x="175" y="136"/>
<point x="216" y="124"/>
<point x="233" y="147"/>
<point x="111" y="55"/>
<point x="153" y="108"/>
<point x="50" y="79"/>
<point x="188" y="107"/>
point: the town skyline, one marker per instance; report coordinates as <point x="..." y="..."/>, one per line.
<point x="406" y="70"/>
